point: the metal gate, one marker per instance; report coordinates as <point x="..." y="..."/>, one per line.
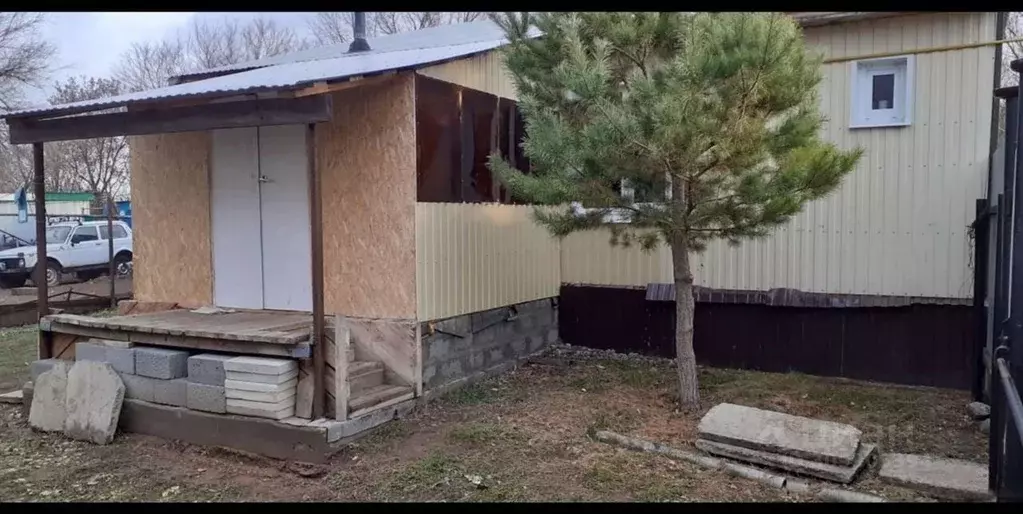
<point x="999" y="256"/>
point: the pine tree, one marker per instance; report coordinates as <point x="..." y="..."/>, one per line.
<point x="710" y="118"/>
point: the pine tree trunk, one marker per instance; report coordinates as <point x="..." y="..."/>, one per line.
<point x="685" y="309"/>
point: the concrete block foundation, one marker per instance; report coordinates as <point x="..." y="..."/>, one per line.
<point x="171" y="392"/>
<point x="207" y="368"/>
<point x="465" y="346"/>
<point x="207" y="398"/>
<point x="161" y="363"/>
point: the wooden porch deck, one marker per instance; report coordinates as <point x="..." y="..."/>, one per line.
<point x="279" y="333"/>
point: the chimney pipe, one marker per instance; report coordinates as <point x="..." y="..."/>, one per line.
<point x="359" y="43"/>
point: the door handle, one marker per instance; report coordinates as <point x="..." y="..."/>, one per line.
<point x="263" y="179"/>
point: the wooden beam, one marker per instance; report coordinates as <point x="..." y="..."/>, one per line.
<point x="300" y="350"/>
<point x="252" y="113"/>
<point x="321" y="88"/>
<point x="316" y="237"/>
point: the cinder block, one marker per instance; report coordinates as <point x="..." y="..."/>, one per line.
<point x="452" y="369"/>
<point x="160" y="363"/>
<point x="139" y="388"/>
<point x="121" y="359"/>
<point x="518" y="346"/>
<point x="41" y="366"/>
<point x="259" y="378"/>
<point x="260" y="365"/>
<point x="437" y="348"/>
<point x="204" y="397"/>
<point x="171" y="392"/>
<point x="90" y="352"/>
<point x="207" y="368"/>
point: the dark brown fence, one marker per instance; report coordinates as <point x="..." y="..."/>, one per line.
<point x="917" y="344"/>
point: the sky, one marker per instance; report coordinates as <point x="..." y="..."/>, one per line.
<point x="90" y="43"/>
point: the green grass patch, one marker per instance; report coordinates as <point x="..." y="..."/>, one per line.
<point x="482" y="433"/>
<point x="17" y="350"/>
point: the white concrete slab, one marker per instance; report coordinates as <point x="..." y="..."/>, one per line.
<point x="236" y="376"/>
<point x="261" y="365"/>
<point x="776" y="432"/>
<point x="834" y="473"/>
<point x="951" y="479"/>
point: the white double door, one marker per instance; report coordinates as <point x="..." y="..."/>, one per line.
<point x="260" y="217"/>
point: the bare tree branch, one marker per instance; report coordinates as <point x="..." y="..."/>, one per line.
<point x="96" y="165"/>
<point x="148" y="65"/>
<point x="336" y="27"/>
<point x="24" y="55"/>
<point x="331" y="28"/>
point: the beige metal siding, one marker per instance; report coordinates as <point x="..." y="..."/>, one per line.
<point x="484" y="72"/>
<point x="898" y="225"/>
<point x="474" y="257"/>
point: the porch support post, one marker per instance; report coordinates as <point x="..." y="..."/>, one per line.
<point x="42" y="291"/>
<point x="316" y="237"/>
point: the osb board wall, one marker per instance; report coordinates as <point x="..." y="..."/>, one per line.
<point x="367" y="161"/>
<point x="484" y="72"/>
<point x="170" y="196"/>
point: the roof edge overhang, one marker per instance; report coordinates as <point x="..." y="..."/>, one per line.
<point x="58" y="111"/>
<point x="819" y="19"/>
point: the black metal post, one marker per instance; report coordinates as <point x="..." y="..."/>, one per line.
<point x="980" y="256"/>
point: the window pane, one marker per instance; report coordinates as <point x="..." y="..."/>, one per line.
<point x="83" y="234"/>
<point x="883" y="92"/>
<point x="118" y="232"/>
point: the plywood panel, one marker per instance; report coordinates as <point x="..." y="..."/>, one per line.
<point x="170" y="193"/>
<point x="898" y="225"/>
<point x="475" y="257"/>
<point x="367" y="160"/>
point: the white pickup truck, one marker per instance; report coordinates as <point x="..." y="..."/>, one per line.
<point x="71" y="247"/>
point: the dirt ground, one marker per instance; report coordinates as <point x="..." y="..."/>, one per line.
<point x="522" y="436"/>
<point x="96" y="287"/>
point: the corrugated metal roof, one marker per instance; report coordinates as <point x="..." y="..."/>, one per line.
<point x="444" y="35"/>
<point x="425" y="47"/>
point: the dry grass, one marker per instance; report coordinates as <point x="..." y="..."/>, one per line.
<point x="522" y="436"/>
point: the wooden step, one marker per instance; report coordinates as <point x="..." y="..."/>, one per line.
<point x="375" y="395"/>
<point x="364" y="374"/>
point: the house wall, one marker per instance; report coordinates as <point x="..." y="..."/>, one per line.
<point x="367" y="160"/>
<point x="898" y="224"/>
<point x="476" y="257"/>
<point x="170" y="194"/>
<point x="484" y="72"/>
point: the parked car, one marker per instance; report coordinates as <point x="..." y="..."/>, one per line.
<point x="71" y="247"/>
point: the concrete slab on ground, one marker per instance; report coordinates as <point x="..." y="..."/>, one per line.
<point x="15" y="397"/>
<point x="951" y="479"/>
<point x="834" y="473"/>
<point x="49" y="399"/>
<point x="776" y="432"/>
<point x="94" y="396"/>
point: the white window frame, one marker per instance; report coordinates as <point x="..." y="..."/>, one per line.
<point x="861" y="72"/>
